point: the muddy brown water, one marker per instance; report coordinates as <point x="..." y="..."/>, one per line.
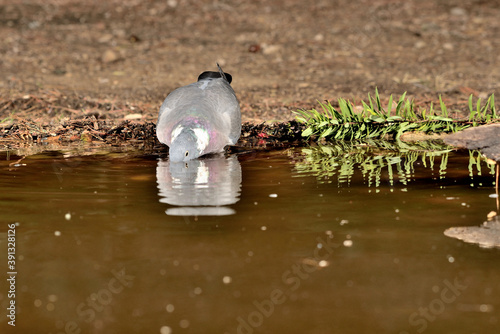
<point x="307" y="240"/>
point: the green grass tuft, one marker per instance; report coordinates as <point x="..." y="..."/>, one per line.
<point x="375" y="122"/>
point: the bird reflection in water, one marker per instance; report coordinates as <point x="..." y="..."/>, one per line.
<point x="200" y="187"/>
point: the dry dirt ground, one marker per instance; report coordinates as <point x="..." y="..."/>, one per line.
<point x="71" y="66"/>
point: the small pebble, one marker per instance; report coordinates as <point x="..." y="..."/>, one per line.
<point x="457" y="11"/>
<point x="270" y="49"/>
<point x="319" y="37"/>
<point x="132" y="116"/>
<point x="448" y="46"/>
<point x="106" y="38"/>
<point x="109" y="56"/>
<point x="420" y="45"/>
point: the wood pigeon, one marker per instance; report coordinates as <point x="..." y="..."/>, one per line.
<point x="200" y="118"/>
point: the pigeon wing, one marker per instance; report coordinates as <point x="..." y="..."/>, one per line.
<point x="169" y="112"/>
<point x="227" y="108"/>
<point x="173" y="100"/>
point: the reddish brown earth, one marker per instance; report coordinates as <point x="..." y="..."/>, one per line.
<point x="75" y="70"/>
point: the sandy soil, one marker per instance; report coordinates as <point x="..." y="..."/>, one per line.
<point x="107" y="61"/>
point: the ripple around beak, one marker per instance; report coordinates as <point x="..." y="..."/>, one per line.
<point x="200" y="211"/>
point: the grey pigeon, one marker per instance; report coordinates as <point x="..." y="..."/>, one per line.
<point x="200" y="118"/>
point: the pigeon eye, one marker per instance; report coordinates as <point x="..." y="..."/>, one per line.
<point x="187" y="153"/>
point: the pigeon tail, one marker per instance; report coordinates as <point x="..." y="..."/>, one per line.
<point x="216" y="75"/>
<point x="223" y="75"/>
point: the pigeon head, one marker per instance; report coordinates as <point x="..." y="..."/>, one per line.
<point x="187" y="143"/>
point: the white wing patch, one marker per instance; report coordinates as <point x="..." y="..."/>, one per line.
<point x="202" y="138"/>
<point x="177" y="131"/>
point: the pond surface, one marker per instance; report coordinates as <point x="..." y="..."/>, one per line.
<point x="306" y="240"/>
